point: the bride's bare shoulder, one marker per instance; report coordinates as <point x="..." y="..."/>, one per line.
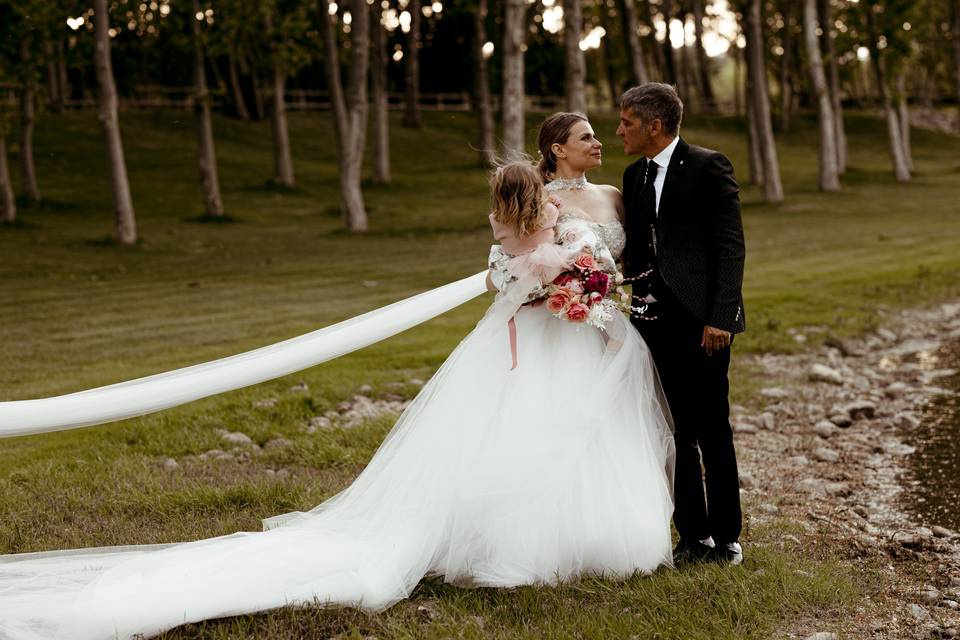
<point x="615" y="197"/>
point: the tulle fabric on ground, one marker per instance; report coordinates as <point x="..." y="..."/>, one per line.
<point x="493" y="477"/>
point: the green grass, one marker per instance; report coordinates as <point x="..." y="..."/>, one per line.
<point x="79" y="311"/>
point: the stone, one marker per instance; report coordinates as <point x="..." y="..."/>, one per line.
<point x="840" y="489"/>
<point x="918" y="613"/>
<point x="861" y="409"/>
<point x="791" y="538"/>
<point x="826" y="455"/>
<point x="895" y="390"/>
<point x="941" y="532"/>
<point x="300" y="387"/>
<point x="416" y="381"/>
<point x="775" y="393"/>
<point x="746" y="481"/>
<point x="842" y="420"/>
<point x="798" y="461"/>
<point x="769" y="509"/>
<point x="767" y="420"/>
<point x="812" y="485"/>
<point x="365" y="389"/>
<point x="898" y="449"/>
<point x="886" y="334"/>
<point x="861" y="511"/>
<point x="823" y="373"/>
<point x="744" y="427"/>
<point x="321" y="422"/>
<point x="951" y="604"/>
<point x="170" y="464"/>
<point x="822" y="635"/>
<point x="929" y="595"/>
<point x="825" y="428"/>
<point x="266" y="403"/>
<point x="215" y="454"/>
<point x="277" y="443"/>
<point x="369" y="284"/>
<point x="235" y="437"/>
<point x="800" y="338"/>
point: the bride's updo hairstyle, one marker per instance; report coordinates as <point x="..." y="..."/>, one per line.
<point x="518" y="197"/>
<point x="555" y="130"/>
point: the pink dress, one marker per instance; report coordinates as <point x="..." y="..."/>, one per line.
<point x="513" y="245"/>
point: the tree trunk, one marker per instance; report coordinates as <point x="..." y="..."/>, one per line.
<point x="829" y="176"/>
<point x="411" y="114"/>
<point x="753" y="137"/>
<point x="903" y="114"/>
<point x="54" y="98"/>
<point x="709" y="101"/>
<point x="836" y="99"/>
<point x="514" y="38"/>
<point x="658" y="61"/>
<point x="210" y="181"/>
<point x="481" y="88"/>
<point x="259" y="110"/>
<point x="62" y="81"/>
<point x="631" y="32"/>
<point x="955" y="30"/>
<point x="669" y="66"/>
<point x="236" y="91"/>
<point x="8" y="204"/>
<point x="737" y="79"/>
<point x="349" y="109"/>
<point x="900" y="167"/>
<point x="786" y="70"/>
<point x="608" y="59"/>
<point x="689" y="76"/>
<point x="381" y="123"/>
<point x="576" y="66"/>
<point x="282" y="158"/>
<point x="772" y="187"/>
<point x="28" y="98"/>
<point x="124" y="223"/>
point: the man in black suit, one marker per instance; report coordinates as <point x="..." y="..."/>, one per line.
<point x="685" y="240"/>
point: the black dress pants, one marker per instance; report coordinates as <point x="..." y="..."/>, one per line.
<point x="707" y="498"/>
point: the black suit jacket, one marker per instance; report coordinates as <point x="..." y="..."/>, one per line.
<point x="700" y="249"/>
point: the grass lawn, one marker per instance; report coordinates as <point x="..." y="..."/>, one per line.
<point x="79" y="312"/>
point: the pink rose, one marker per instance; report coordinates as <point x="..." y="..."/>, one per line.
<point x="597" y="282"/>
<point x="578" y="312"/>
<point x="585" y="262"/>
<point x="563" y="279"/>
<point x="595" y="298"/>
<point x="558" y="301"/>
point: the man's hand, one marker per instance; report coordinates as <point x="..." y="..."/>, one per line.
<point x="714" y="339"/>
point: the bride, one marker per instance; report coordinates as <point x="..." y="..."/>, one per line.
<point x="540" y="451"/>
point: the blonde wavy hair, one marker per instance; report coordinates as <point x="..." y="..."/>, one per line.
<point x="518" y="197"/>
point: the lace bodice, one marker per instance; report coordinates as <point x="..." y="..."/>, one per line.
<point x="611" y="233"/>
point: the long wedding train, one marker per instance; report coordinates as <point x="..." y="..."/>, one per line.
<point x="164" y="390"/>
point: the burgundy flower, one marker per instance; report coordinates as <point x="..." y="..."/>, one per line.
<point x="597" y="282"/>
<point x="563" y="279"/>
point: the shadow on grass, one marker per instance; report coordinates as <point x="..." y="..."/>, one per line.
<point x="205" y="219"/>
<point x="109" y="242"/>
<point x="269" y="186"/>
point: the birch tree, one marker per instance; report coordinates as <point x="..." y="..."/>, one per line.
<point x="955" y="39"/>
<point x="481" y="87"/>
<point x="378" y="99"/>
<point x="901" y="167"/>
<point x="411" y="113"/>
<point x="206" y="151"/>
<point x="903" y="114"/>
<point x="124" y="222"/>
<point x="760" y="103"/>
<point x="829" y="175"/>
<point x="829" y="46"/>
<point x="631" y="31"/>
<point x="514" y="39"/>
<point x="576" y="66"/>
<point x="349" y="108"/>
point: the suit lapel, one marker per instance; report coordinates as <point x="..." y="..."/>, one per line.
<point x="672" y="183"/>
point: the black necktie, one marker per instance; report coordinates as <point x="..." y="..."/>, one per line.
<point x="648" y="204"/>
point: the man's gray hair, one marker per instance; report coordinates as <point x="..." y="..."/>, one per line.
<point x="655" y="100"/>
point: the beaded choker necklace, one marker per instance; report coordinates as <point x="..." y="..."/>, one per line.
<point x="561" y="184"/>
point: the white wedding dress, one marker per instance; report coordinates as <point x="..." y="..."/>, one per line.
<point x="492" y="476"/>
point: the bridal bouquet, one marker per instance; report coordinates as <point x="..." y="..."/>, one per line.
<point x="586" y="293"/>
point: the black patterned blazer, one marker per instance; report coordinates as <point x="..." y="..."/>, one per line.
<point x="699" y="234"/>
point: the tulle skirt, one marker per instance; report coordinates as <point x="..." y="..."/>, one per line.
<point x="559" y="468"/>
